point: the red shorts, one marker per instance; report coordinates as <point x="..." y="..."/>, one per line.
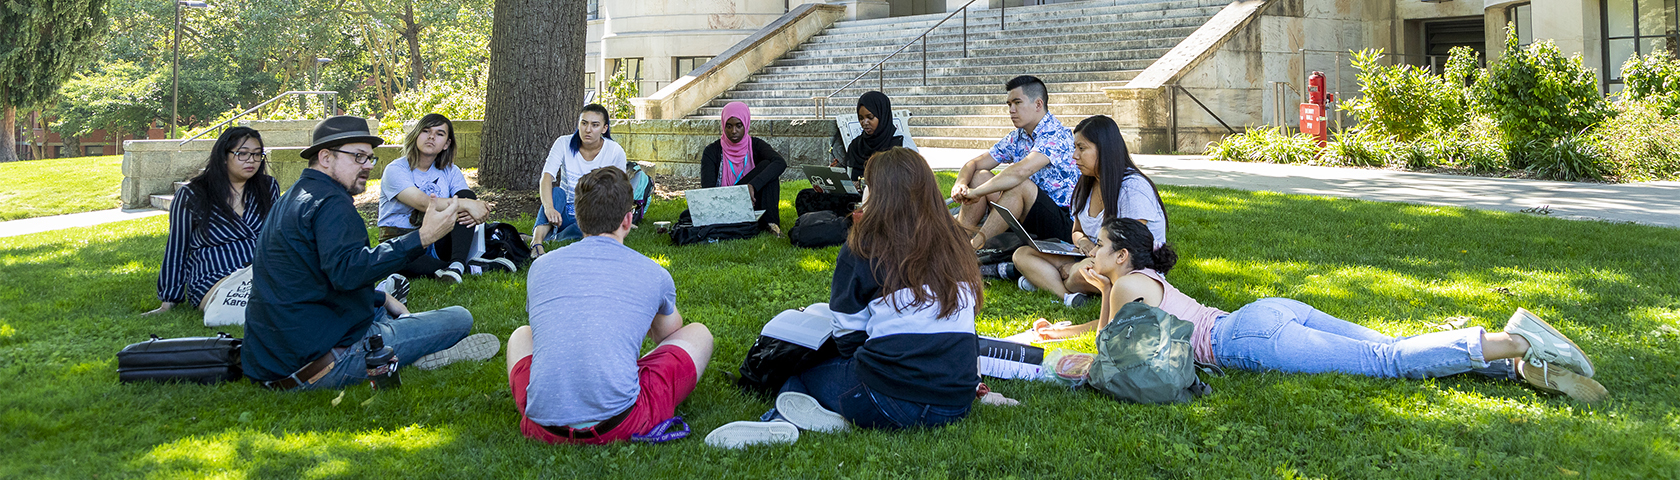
<point x="666" y="376"/>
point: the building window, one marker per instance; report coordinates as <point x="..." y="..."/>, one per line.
<point x="1521" y="20"/>
<point x="632" y="67"/>
<point x="1636" y="27"/>
<point x="58" y="151"/>
<point x="688" y="64"/>
<point x="594" y="7"/>
<point x="95" y="150"/>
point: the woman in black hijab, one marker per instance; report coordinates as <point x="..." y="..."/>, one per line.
<point x="874" y="112"/>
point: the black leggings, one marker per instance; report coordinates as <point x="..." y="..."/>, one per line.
<point x="454" y="247"/>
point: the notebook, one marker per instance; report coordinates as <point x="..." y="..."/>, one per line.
<point x="1056" y="247"/>
<point x="1009" y="360"/>
<point x="731" y="204"/>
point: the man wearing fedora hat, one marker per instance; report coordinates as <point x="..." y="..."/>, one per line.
<point x="313" y="303"/>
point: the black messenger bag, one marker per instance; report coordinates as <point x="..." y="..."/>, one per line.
<point x="205" y="360"/>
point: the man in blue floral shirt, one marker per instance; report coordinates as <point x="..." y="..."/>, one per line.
<point x="1040" y="150"/>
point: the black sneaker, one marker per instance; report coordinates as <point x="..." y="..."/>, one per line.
<point x="451" y="274"/>
<point x="1075" y="300"/>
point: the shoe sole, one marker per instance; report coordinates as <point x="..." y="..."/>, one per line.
<point x="744" y="433"/>
<point x="1548" y="328"/>
<point x="1079" y="301"/>
<point x="478" y="347"/>
<point x="806" y="413"/>
<point x="494" y="263"/>
<point x="448" y="276"/>
<point x="1565" y="382"/>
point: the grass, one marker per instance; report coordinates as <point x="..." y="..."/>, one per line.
<point x="38" y="188"/>
<point x="72" y="301"/>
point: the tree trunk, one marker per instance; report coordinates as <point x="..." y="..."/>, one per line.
<point x="535" y="88"/>
<point x="411" y="33"/>
<point x="8" y="138"/>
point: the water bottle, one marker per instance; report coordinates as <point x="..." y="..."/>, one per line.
<point x="381" y="364"/>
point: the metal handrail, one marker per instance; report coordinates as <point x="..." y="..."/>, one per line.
<point x="822" y="102"/>
<point x="330" y="94"/>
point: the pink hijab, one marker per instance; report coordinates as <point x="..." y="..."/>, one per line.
<point x="737" y="156"/>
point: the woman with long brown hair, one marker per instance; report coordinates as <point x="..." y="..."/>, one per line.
<point x="905" y="290"/>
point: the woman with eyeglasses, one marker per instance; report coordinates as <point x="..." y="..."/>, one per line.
<point x="424" y="173"/>
<point x="215" y="219"/>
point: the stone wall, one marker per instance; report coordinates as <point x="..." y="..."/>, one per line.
<point x="674" y="146"/>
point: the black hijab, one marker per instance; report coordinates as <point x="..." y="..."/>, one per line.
<point x="865" y="145"/>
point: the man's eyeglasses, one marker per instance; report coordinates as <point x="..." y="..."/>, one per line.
<point x="248" y="157"/>
<point x="361" y="158"/>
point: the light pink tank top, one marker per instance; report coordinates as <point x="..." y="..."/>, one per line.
<point x="1188" y="309"/>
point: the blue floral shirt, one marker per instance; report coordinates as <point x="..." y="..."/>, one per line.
<point x="1052" y="139"/>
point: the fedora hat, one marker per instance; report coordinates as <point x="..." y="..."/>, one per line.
<point x="340" y="130"/>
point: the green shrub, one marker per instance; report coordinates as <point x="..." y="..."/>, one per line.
<point x="1265" y="144"/>
<point x="1407" y="102"/>
<point x="1573" y="158"/>
<point x="1473" y="146"/>
<point x="1359" y="147"/>
<point x="1536" y="93"/>
<point x="619" y="92"/>
<point x="1642" y="141"/>
<point x="1653" y="78"/>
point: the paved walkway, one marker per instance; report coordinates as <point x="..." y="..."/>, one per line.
<point x="27" y="226"/>
<point x="1650" y="203"/>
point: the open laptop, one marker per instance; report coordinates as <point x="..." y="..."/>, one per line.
<point x="830" y="179"/>
<point x="710" y="206"/>
<point x="1057" y="247"/>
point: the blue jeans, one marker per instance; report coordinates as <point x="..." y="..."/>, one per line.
<point x="567" y="229"/>
<point x="835" y="385"/>
<point x="412" y="336"/>
<point x="1289" y="336"/>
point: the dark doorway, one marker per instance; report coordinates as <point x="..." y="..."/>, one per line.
<point x="1440" y="37"/>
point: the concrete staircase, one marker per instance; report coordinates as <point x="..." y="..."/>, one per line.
<point x="1076" y="48"/>
<point x="163" y="201"/>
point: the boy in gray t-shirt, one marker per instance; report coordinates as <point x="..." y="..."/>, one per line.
<point x="574" y="372"/>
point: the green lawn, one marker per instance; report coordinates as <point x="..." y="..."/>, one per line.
<point x="72" y="300"/>
<point x="38" y="188"/>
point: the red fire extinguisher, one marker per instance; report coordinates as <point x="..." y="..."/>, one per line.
<point x="1313" y="112"/>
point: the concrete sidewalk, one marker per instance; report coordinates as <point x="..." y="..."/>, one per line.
<point x="1650" y="203"/>
<point x="27" y="226"/>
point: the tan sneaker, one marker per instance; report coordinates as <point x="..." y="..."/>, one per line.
<point x="1546" y="345"/>
<point x="1559" y="380"/>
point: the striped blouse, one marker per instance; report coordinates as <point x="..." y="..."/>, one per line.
<point x="193" y="262"/>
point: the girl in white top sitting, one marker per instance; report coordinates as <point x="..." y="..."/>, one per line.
<point x="1110" y="186"/>
<point x="571" y="157"/>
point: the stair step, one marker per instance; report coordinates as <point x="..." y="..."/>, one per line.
<point x="163" y="202"/>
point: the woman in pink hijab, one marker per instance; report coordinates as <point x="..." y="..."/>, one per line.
<point x="739" y="159"/>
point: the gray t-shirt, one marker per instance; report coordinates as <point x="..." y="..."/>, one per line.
<point x="591" y="304"/>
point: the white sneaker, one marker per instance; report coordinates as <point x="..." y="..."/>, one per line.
<point x="396" y="285"/>
<point x="448" y="275"/>
<point x="478" y="347"/>
<point x="805" y="412"/>
<point x="1546" y="345"/>
<point x="744" y="433"/>
<point x="1075" y="300"/>
<point x="1026" y="285"/>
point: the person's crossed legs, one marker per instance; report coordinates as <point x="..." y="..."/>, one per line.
<point x="664" y="375"/>
<point x="1018" y="200"/>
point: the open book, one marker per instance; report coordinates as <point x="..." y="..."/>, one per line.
<point x="808" y="329"/>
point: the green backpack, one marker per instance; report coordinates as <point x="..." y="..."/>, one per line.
<point x="1144" y="356"/>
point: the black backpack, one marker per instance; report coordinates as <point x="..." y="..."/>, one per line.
<point x="771" y="362"/>
<point x="504" y="241"/>
<point x="819" y="229"/>
<point x="1000" y="248"/>
<point x="684" y="232"/>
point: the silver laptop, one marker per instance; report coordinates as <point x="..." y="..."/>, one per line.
<point x="830" y="179"/>
<point x="732" y="204"/>
<point x="1057" y="247"/>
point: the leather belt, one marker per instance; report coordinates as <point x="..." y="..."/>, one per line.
<point x="592" y="432"/>
<point x="306" y="375"/>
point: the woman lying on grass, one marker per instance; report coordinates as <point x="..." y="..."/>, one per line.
<point x="1289" y="336"/>
<point x="904" y="294"/>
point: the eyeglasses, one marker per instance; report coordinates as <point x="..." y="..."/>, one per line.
<point x="248" y="157"/>
<point x="361" y="158"/>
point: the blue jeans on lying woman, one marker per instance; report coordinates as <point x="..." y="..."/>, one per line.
<point x="1289" y="336"/>
<point x="835" y="385"/>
